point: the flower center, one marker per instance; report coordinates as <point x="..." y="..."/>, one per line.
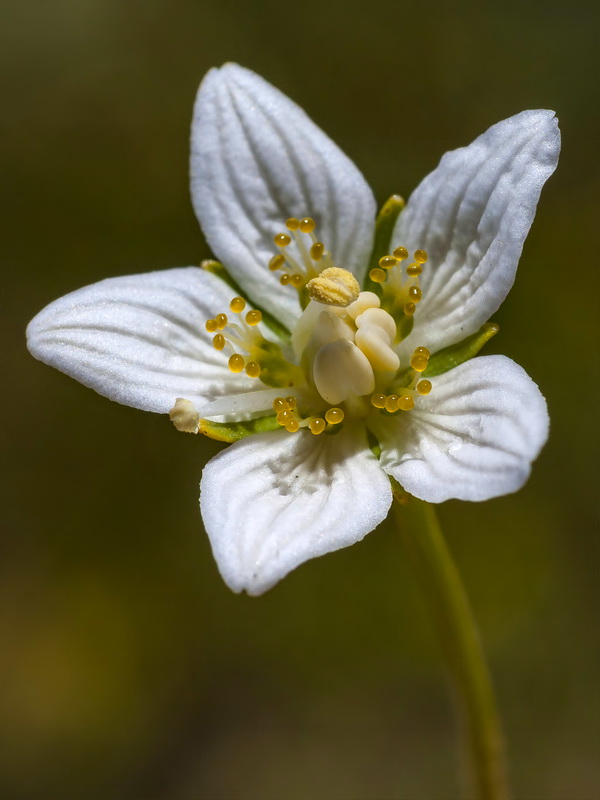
<point x="342" y="358"/>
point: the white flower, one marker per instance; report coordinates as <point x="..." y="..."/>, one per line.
<point x="315" y="477"/>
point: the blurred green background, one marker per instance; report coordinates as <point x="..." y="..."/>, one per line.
<point x="127" y="669"/>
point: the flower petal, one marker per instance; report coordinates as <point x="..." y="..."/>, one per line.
<point x="275" y="500"/>
<point x="258" y="159"/>
<point x="140" y="339"/>
<point x="474" y="437"/>
<point x="472" y="215"/>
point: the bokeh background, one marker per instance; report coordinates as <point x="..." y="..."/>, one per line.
<point x="127" y="669"/>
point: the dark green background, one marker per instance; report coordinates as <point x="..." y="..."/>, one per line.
<point x="127" y="669"/>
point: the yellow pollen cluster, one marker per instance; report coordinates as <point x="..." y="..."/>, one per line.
<point x="239" y="333"/>
<point x="413" y="270"/>
<point x="287" y="417"/>
<point x="417" y="386"/>
<point x="301" y="265"/>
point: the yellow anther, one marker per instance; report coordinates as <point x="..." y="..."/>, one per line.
<point x="378" y="400"/>
<point x="317" y="425"/>
<point x="307" y="225"/>
<point x="387" y="262"/>
<point x="377" y="275"/>
<point x="291" y="401"/>
<point x="292" y="224"/>
<point x="414" y="270"/>
<point x="285" y="279"/>
<point x="316" y="251"/>
<point x="253" y="317"/>
<point x="221" y="320"/>
<point x="400" y="253"/>
<point x="297" y="280"/>
<point x="334" y="416"/>
<point x="334" y="287"/>
<point x="285" y="416"/>
<point x="280" y="404"/>
<point x="236" y="362"/>
<point x="421" y="256"/>
<point x="406" y="403"/>
<point x="276" y="262"/>
<point x="211" y="325"/>
<point x="422" y="351"/>
<point x="409" y="309"/>
<point x="391" y="403"/>
<point x="419" y="363"/>
<point x="424" y="387"/>
<point x="415" y="294"/>
<point x="219" y="341"/>
<point x="252" y="369"/>
<point x="292" y="426"/>
<point x="237" y="305"/>
<point x="282" y="240"/>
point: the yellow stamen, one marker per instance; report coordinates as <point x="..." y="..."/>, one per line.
<point x="291" y="401"/>
<point x="307" y="225"/>
<point x="391" y="403"/>
<point x="292" y="426"/>
<point x="219" y="341"/>
<point x="282" y="240"/>
<point x="316" y="251"/>
<point x="297" y="280"/>
<point x="400" y="253"/>
<point x="237" y="305"/>
<point x="419" y="363"/>
<point x="406" y="403"/>
<point x="334" y="416"/>
<point x="285" y="279"/>
<point x="236" y="362"/>
<point x="409" y="309"/>
<point x="221" y="320"/>
<point x="253" y="317"/>
<point x="280" y="404"/>
<point x="420" y="256"/>
<point x="414" y="270"/>
<point x="387" y="262"/>
<point x="276" y="262"/>
<point x="377" y="275"/>
<point x="378" y="400"/>
<point x="211" y="325"/>
<point x="424" y="387"/>
<point x="252" y="369"/>
<point x="422" y="351"/>
<point x="415" y="294"/>
<point x="292" y="224"/>
<point x="285" y="416"/>
<point x="317" y="425"/>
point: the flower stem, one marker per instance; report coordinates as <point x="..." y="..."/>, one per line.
<point x="460" y="642"/>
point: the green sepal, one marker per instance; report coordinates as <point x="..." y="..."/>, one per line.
<point x="384" y="227"/>
<point x="456" y="354"/>
<point x="234" y="431"/>
<point x="216" y="268"/>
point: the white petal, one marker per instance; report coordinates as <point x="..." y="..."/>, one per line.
<point x="275" y="500"/>
<point x="472" y="215"/>
<point x="258" y="159"/>
<point x="474" y="437"/>
<point x="140" y="339"/>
